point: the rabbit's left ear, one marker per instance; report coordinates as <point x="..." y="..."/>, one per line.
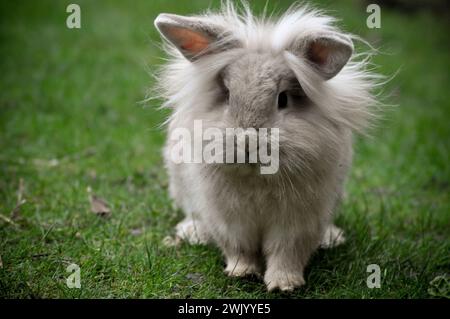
<point x="193" y="37"/>
<point x="328" y="53"/>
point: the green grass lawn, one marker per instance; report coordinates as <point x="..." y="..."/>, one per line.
<point x="70" y="119"/>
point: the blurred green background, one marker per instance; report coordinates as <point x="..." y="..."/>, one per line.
<point x="71" y="118"/>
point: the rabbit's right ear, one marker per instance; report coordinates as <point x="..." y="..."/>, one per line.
<point x="193" y="37"/>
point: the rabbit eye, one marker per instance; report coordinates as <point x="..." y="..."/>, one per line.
<point x="282" y="100"/>
<point x="226" y="93"/>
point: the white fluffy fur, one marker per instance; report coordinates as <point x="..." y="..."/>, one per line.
<point x="267" y="224"/>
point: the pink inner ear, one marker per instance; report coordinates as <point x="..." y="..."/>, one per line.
<point x="319" y="53"/>
<point x="188" y="40"/>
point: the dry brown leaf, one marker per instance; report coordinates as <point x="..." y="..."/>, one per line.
<point x="99" y="206"/>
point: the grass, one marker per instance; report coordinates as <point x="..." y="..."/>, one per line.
<point x="70" y="119"/>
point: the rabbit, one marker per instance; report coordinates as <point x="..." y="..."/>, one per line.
<point x="297" y="73"/>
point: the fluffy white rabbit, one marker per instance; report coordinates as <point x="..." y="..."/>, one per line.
<point x="298" y="74"/>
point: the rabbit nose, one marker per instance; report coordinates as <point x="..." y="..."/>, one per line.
<point x="251" y="110"/>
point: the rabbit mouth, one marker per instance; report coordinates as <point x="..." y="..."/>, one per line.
<point x="244" y="149"/>
<point x="246" y="169"/>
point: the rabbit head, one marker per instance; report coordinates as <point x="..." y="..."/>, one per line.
<point x="295" y="74"/>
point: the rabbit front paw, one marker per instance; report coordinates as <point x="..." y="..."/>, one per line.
<point x="239" y="267"/>
<point x="192" y="231"/>
<point x="283" y="280"/>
